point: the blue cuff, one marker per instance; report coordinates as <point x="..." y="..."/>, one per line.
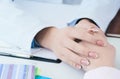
<point x="35" y="44"/>
<point x="73" y="23"/>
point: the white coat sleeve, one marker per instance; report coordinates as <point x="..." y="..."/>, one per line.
<point x="101" y="11"/>
<point x="21" y="21"/>
<point x="102" y="73"/>
<point x="17" y="27"/>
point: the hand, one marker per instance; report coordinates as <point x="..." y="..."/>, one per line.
<point x="106" y="56"/>
<point x="91" y="33"/>
<point x="61" y="42"/>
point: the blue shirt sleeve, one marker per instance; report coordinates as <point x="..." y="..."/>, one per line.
<point x="35" y="44"/>
<point x="73" y="23"/>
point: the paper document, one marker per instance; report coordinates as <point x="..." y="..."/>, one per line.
<point x="11" y="50"/>
<point x="39" y="54"/>
<point x="42" y="52"/>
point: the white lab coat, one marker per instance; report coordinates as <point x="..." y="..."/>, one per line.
<point x="22" y="20"/>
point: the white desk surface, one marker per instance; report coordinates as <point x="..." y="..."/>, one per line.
<point x="62" y="70"/>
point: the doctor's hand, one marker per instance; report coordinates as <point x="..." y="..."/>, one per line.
<point x="63" y="42"/>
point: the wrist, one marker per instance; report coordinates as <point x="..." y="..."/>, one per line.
<point x="45" y="36"/>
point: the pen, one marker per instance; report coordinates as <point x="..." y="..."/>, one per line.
<point x="34" y="58"/>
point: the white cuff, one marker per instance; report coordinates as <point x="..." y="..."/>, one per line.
<point x="102" y="73"/>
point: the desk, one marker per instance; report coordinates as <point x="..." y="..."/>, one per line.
<point x="62" y="70"/>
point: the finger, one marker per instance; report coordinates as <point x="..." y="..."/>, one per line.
<point x="67" y="60"/>
<point x="91" y="53"/>
<point x="83" y="34"/>
<point x="73" y="64"/>
<point x="97" y="32"/>
<point x="93" y="29"/>
<point x="80" y="49"/>
<point x="100" y="35"/>
<point x="76" y="47"/>
<point x="71" y="56"/>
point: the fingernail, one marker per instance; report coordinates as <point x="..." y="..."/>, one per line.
<point x="78" y="66"/>
<point x="92" y="54"/>
<point x="95" y="30"/>
<point x="85" y="62"/>
<point x="100" y="43"/>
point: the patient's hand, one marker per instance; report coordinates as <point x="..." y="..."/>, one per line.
<point x="106" y="56"/>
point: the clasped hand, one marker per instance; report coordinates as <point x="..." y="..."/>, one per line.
<point x="69" y="43"/>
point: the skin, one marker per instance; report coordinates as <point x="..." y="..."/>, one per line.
<point x="106" y="56"/>
<point x="62" y="42"/>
